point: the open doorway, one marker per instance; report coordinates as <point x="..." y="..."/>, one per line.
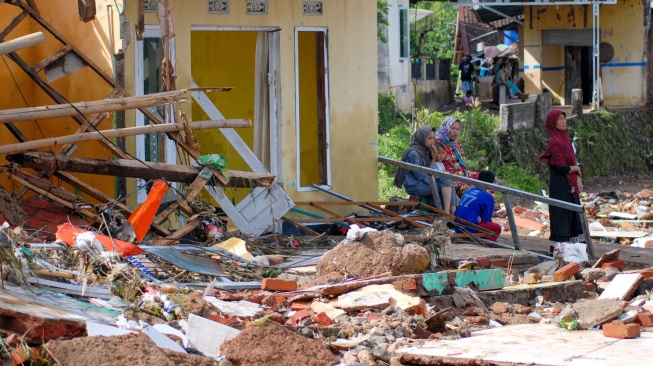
<point x="578" y="72"/>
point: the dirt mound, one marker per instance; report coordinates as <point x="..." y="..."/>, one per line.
<point x="270" y="345"/>
<point x="130" y="349"/>
<point x="193" y="303"/>
<point x="377" y="253"/>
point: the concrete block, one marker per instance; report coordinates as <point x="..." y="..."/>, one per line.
<point x="484" y="279"/>
<point x="595" y="312"/>
<point x="550" y="291"/>
<point x="274" y="284"/>
<point x="516" y="116"/>
<point x="591" y="274"/>
<point x="618" y="329"/>
<point x="435" y="281"/>
<point x="566" y="272"/>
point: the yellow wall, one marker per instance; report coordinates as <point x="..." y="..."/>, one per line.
<point x="92" y="39"/>
<point x="308" y="121"/>
<point x="352" y="51"/>
<point x="622" y="25"/>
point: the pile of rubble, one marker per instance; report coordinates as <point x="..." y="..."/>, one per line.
<point x="376" y="298"/>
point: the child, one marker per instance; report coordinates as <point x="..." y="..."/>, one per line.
<point x="477" y="206"/>
<point x="468" y="100"/>
<point x="449" y="199"/>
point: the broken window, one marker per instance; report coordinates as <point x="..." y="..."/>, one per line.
<point x="312" y="113"/>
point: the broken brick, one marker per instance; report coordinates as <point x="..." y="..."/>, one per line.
<point x="38" y="203"/>
<point x="278" y="318"/>
<point x="20" y="357"/>
<point x="275" y="284"/>
<point x="298" y="316"/>
<point x="617" y="263"/>
<point x="274" y="301"/>
<point x="296" y="306"/>
<point x="528" y="224"/>
<point x="646" y="273"/>
<point x="409" y="284"/>
<point x="645" y="319"/>
<point x="221" y="319"/>
<point x="565" y="272"/>
<point x="52" y="217"/>
<point x="590" y="286"/>
<point x="322" y="319"/>
<point x="373" y="317"/>
<point x="618" y="329"/>
<point x="499" y="262"/>
<point x="519" y="209"/>
<point x="483" y="262"/>
<point x="533" y="214"/>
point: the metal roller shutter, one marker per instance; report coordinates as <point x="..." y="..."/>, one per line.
<point x="570" y="37"/>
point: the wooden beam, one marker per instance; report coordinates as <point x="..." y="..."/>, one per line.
<point x="193" y="222"/>
<point x="50" y="59"/>
<point x="21" y="42"/>
<point x="132" y="169"/>
<point x="97" y="106"/>
<point x="130" y="131"/>
<point x="44" y="185"/>
<point x="190" y="194"/>
<point x="14" y="23"/>
<point x="10" y="209"/>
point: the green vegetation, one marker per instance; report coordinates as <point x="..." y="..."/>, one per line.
<point x="479" y="142"/>
<point x="433" y="36"/>
<point x="381" y="20"/>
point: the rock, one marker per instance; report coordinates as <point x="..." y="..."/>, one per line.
<point x="532" y="278"/>
<point x="381" y="352"/>
<point x="499" y="308"/>
<point x="366" y="356"/>
<point x="377" y="253"/>
<point x="465" y="296"/>
<point x="595" y="312"/>
<point x="349" y="358"/>
<point x="591" y="274"/>
<point x="536" y="317"/>
<point x="400" y="332"/>
<point x="566" y="315"/>
<point x="544" y="268"/>
<point x="521" y="309"/>
<point x="355" y="301"/>
<point x="610" y="274"/>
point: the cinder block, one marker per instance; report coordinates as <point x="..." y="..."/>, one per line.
<point x="275" y="284"/>
<point x="617" y="263"/>
<point x="618" y="329"/>
<point x="566" y="272"/>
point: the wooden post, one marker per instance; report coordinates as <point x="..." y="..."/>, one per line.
<point x="131" y="131"/>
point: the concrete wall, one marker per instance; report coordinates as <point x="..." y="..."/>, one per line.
<point x="518" y="116"/>
<point x="433" y="94"/>
<point x="92" y="39"/>
<point x="623" y="25"/>
<point x="353" y="82"/>
<point x="395" y="74"/>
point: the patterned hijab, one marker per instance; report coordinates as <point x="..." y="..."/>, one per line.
<point x="417" y="143"/>
<point x="443" y="135"/>
<point x="559" y="151"/>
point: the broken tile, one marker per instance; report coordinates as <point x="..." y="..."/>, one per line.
<point x="622" y="286"/>
<point x="207" y="335"/>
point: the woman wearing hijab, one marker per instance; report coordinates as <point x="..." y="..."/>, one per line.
<point x="564" y="180"/>
<point x="454" y="161"/>
<point x="422" y="152"/>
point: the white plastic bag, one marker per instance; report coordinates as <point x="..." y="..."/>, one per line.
<point x="571" y="252"/>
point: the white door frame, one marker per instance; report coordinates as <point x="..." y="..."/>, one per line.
<point x="327" y="112"/>
<point x="151" y="31"/>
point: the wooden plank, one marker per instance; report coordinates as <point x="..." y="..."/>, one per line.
<point x="410" y="221"/>
<point x="14" y="23"/>
<point x="50" y="59"/>
<point x="190" y="194"/>
<point x="132" y="169"/>
<point x="44" y="185"/>
<point x="193" y="222"/>
<point x="10" y="209"/>
<point x="344" y="219"/>
<point x="129" y="131"/>
<point x="101" y="197"/>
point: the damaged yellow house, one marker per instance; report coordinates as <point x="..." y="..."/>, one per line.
<point x="303" y="71"/>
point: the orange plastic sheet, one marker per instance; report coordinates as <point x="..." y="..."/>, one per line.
<point x="67" y="233"/>
<point x="142" y="218"/>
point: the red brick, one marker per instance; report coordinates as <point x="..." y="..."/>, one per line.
<point x="618" y="264"/>
<point x="276" y="317"/>
<point x="483" y="262"/>
<point x="405" y="285"/>
<point x="519" y="209"/>
<point x="274" y="301"/>
<point x="275" y="284"/>
<point x="256" y="297"/>
<point x="52" y="217"/>
<point x="19" y="357"/>
<point x="298" y="316"/>
<point x="533" y="214"/>
<point x="528" y="223"/>
<point x="498" y="262"/>
<point x="296" y="306"/>
<point x="646" y="273"/>
<point x="590" y="286"/>
<point x="374" y="317"/>
<point x="35" y="223"/>
<point x="645" y="319"/>
<point x="221" y="319"/>
<point x="618" y="329"/>
<point x="12" y="340"/>
<point x="322" y="319"/>
<point x="38" y="203"/>
<point x="29" y="210"/>
<point x="565" y="272"/>
<point x="78" y="221"/>
<point x="2" y="219"/>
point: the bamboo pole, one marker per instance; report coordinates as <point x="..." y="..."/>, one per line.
<point x="21" y="42"/>
<point x="96" y="106"/>
<point x="131" y="131"/>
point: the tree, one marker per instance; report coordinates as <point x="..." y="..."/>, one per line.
<point x="434" y="35"/>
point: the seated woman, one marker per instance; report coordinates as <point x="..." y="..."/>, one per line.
<point x="454" y="161"/>
<point x="421" y="151"/>
<point x="513" y="91"/>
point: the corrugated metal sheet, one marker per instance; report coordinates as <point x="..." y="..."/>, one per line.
<point x="570" y="37"/>
<point x="189" y="262"/>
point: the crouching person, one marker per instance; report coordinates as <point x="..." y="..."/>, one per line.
<point x="423" y="151"/>
<point x="477" y="205"/>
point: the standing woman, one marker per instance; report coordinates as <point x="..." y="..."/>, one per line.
<point x="564" y="180"/>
